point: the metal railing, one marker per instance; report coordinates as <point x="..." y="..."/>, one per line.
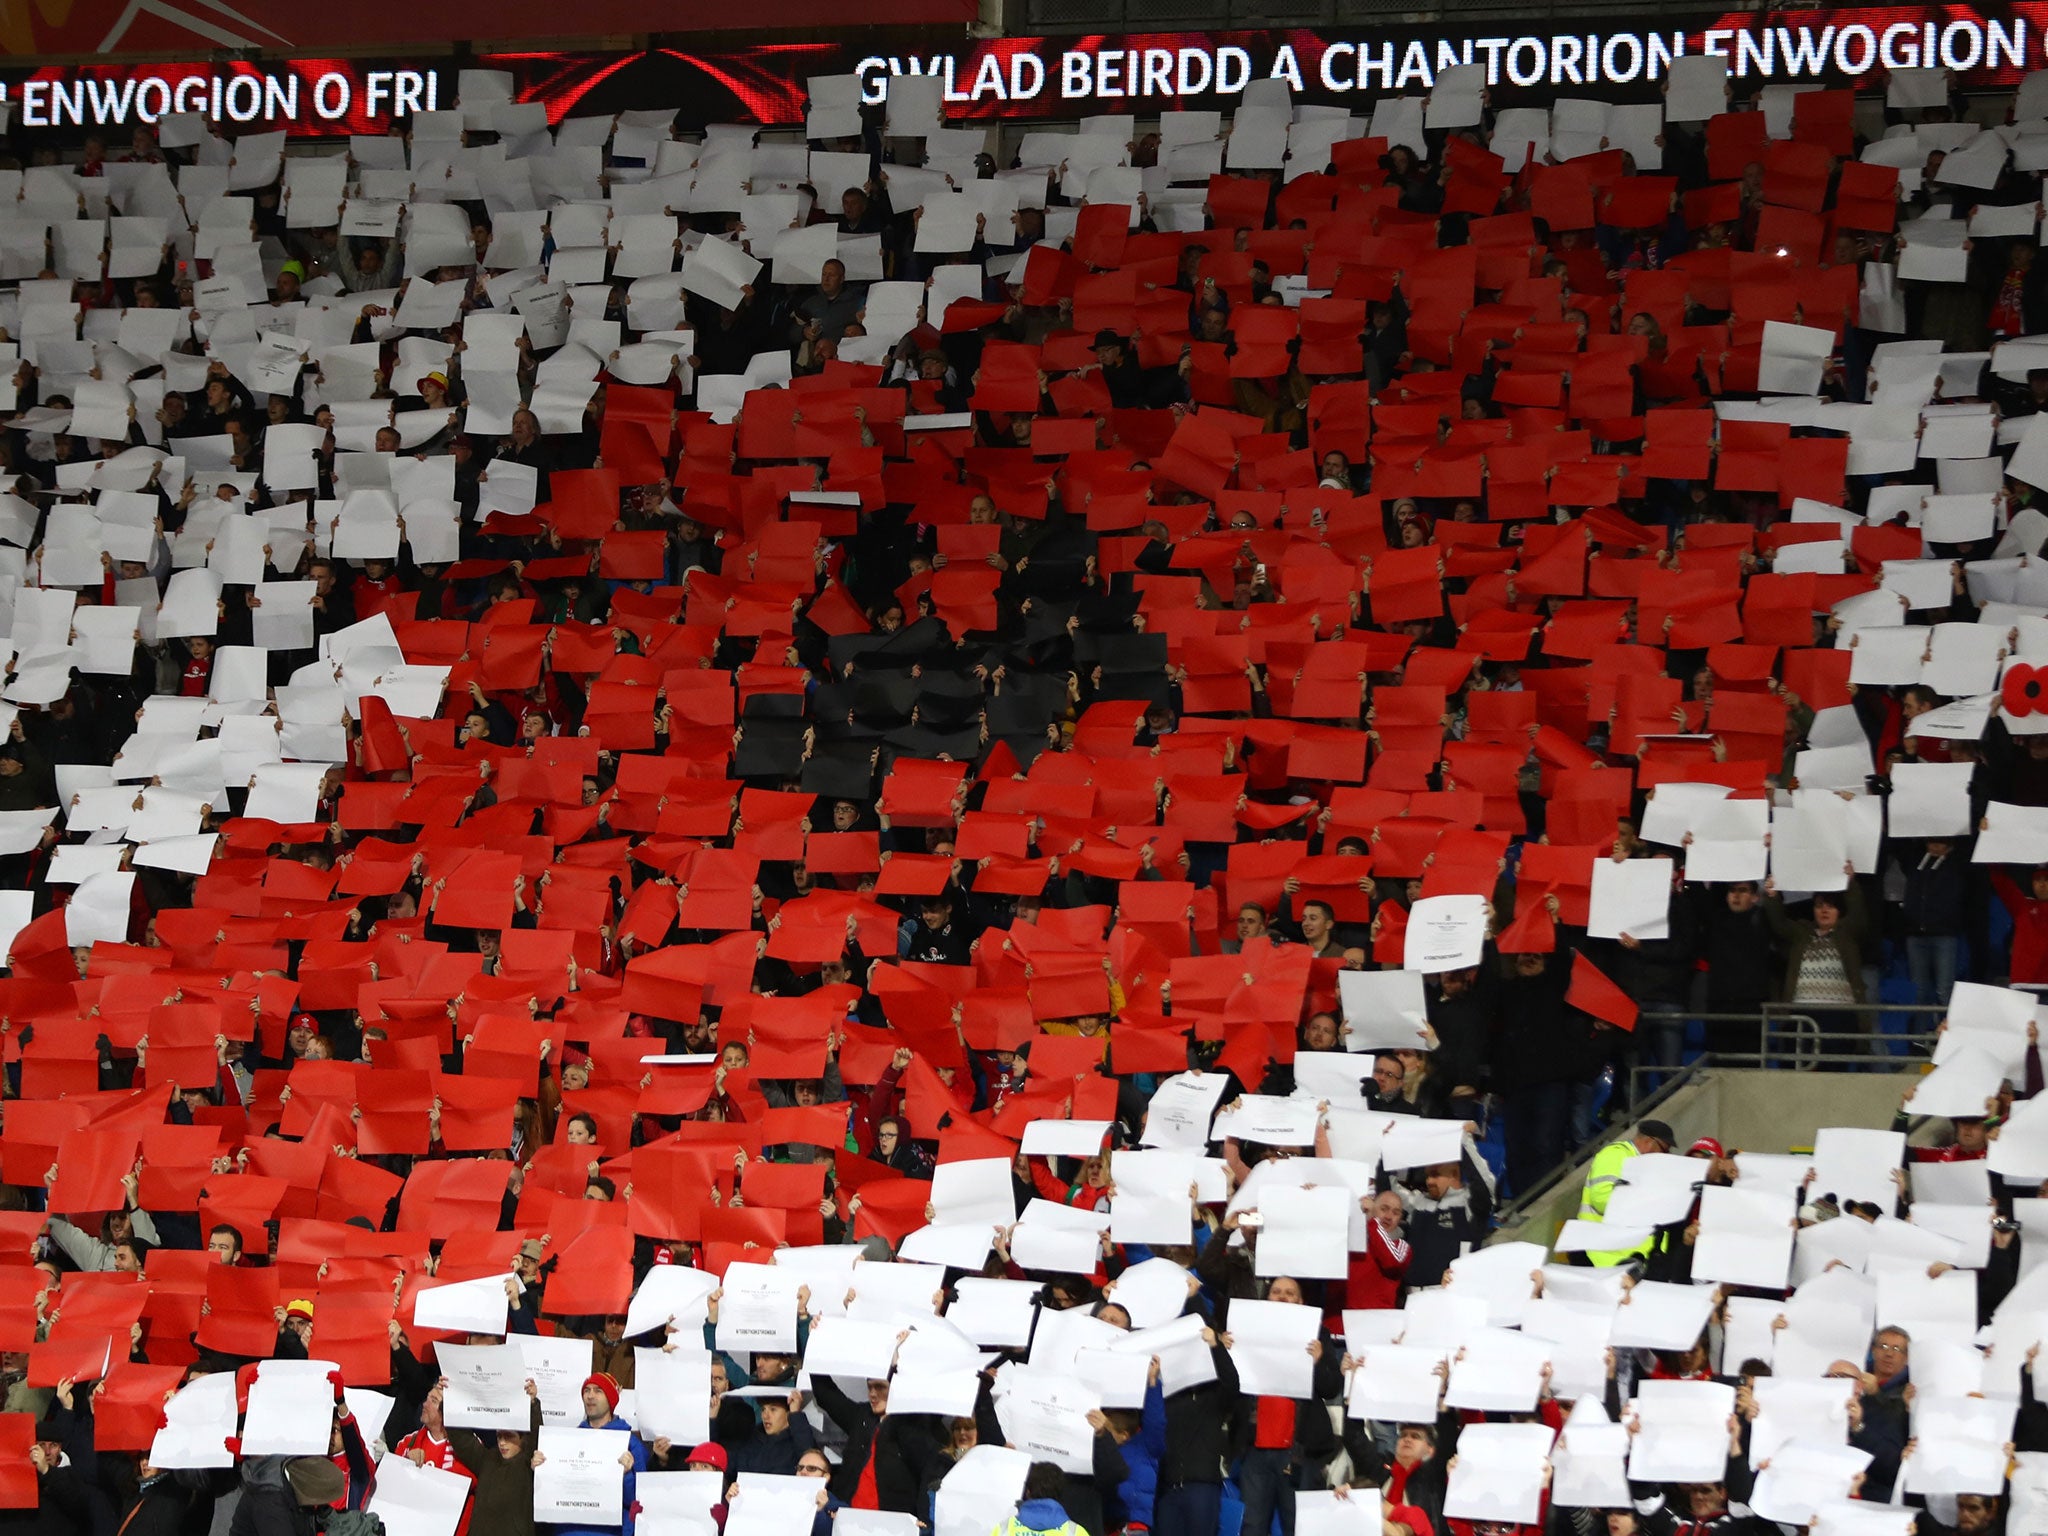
<point x="1791" y="1037"/>
<point x="1788" y="1038"/>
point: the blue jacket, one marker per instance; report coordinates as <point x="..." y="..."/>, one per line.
<point x="1131" y="1504"/>
<point x="638" y="1448"/>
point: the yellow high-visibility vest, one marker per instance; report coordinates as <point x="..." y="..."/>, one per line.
<point x="1601" y="1179"/>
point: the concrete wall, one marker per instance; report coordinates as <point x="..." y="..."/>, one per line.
<point x="1744" y="1110"/>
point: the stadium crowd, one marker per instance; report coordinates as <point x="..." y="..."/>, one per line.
<point x="924" y="837"/>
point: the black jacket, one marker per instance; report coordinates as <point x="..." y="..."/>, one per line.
<point x="1741" y="952"/>
<point x="859" y="1423"/>
<point x="1314" y="1440"/>
<point x="1198" y="1428"/>
<point x="164" y="1508"/>
<point x="1462" y="1024"/>
<point x="1936" y="892"/>
<point x="1082" y="1497"/>
<point x="64" y="1508"/>
<point x="1656" y="971"/>
<point x="1539" y="1038"/>
<point x="909" y="1450"/>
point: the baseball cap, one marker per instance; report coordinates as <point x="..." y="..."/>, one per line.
<point x="300" y="1308"/>
<point x="1659" y="1131"/>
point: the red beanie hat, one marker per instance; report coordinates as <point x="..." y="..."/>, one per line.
<point x="603" y="1382"/>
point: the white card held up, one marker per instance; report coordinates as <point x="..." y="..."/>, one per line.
<point x="721" y="272"/>
<point x="671" y="1293"/>
<point x="1182" y="1109"/>
<point x="1065" y="1138"/>
<point x="2013" y="834"/>
<point x="874" y="1522"/>
<point x="850" y="1346"/>
<point x="1501" y="1473"/>
<point x="1395" y="1383"/>
<point x="1962" y="1085"/>
<point x="1325" y="1512"/>
<point x="486" y="1386"/>
<point x="557" y="1369"/>
<point x="1152" y="1293"/>
<point x="950" y="1392"/>
<point x="1682" y="1433"/>
<point x="1500" y="1371"/>
<point x="1267" y="1119"/>
<point x="672" y="1394"/>
<point x="579" y="1480"/>
<point x="1384" y="1010"/>
<point x="417" y="1501"/>
<point x="1503" y="1276"/>
<point x="199" y="1420"/>
<point x="1930" y="800"/>
<point x="1659" y="1316"/>
<point x="1591" y="1462"/>
<point x="1046" y="1414"/>
<point x="1698" y="88"/>
<point x="985" y="1485"/>
<point x="1630" y="896"/>
<point x="1745" y="1237"/>
<point x="1577" y="1236"/>
<point x="975" y="1191"/>
<point x="1305" y="1233"/>
<point x="1413" y="1142"/>
<point x="679" y="1501"/>
<point x="1445" y="933"/>
<point x="995" y="1313"/>
<point x="291" y="1409"/>
<point x="1270" y="1347"/>
<point x="757" y="1310"/>
<point x="1789" y="1409"/>
<point x="1803" y="1476"/>
<point x="2022" y="1145"/>
<point x="1857" y="1164"/>
<point x="467" y="1306"/>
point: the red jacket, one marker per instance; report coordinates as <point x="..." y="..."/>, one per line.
<point x="1376" y="1274"/>
<point x="2029" y="929"/>
<point x="1085" y="1197"/>
<point x="441" y="1454"/>
<point x="438" y="1451"/>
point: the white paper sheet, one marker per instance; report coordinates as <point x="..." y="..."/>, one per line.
<point x="1445" y="933"/>
<point x="579" y="1481"/>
